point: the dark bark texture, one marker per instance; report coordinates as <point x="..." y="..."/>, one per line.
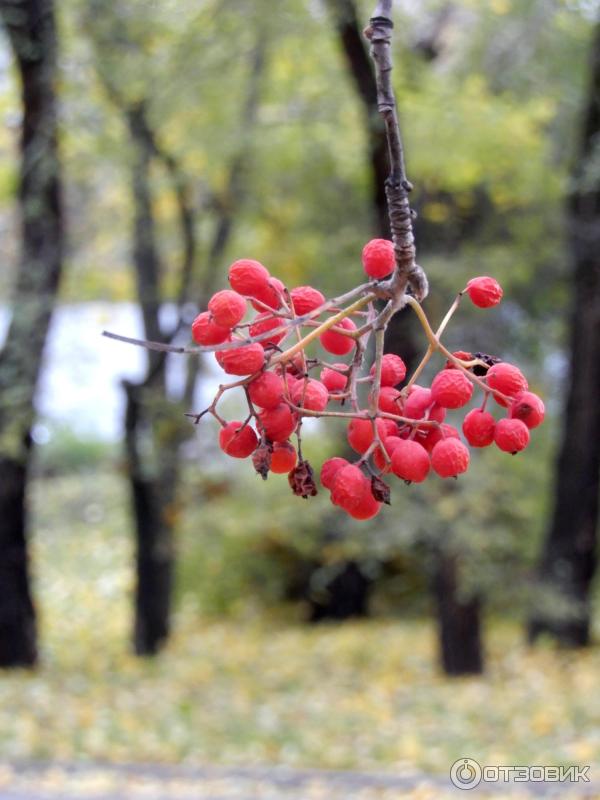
<point x="31" y="30"/>
<point x="155" y="426"/>
<point x="569" y="558"/>
<point x="345" y="596"/>
<point x="458" y="621"/>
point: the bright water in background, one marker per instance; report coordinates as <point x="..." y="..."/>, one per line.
<point x="80" y="385"/>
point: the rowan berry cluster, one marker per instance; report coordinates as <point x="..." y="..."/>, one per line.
<point x="396" y="426"/>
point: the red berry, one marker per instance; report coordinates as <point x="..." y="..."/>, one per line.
<point x="507" y="379"/>
<point x="270" y="295"/>
<point x="360" y="433"/>
<point x="330" y="469"/>
<point x="451" y="388"/>
<point x="283" y="458"/>
<point x="437" y="413"/>
<point x="484" y="292"/>
<point x="450" y="457"/>
<point x="417" y="402"/>
<point x="266" y="391"/>
<point x="348" y="487"/>
<point x="410" y="461"/>
<point x="248" y="277"/>
<point x="227" y="307"/>
<point x="367" y="508"/>
<point x="267" y="322"/>
<point x="338" y="343"/>
<point x="529" y="408"/>
<point x="310" y="394"/>
<point x="378" y="258"/>
<point x="333" y="380"/>
<point x="305" y="299"/>
<point x="390" y="400"/>
<point x="393" y="370"/>
<point x="511" y="435"/>
<point x="435" y="435"/>
<point x="478" y="427"/>
<point x="206" y="332"/>
<point x="242" y="360"/>
<point x="279" y="423"/>
<point x="238" y="440"/>
<point x="378" y="458"/>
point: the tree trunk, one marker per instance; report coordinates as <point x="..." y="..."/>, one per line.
<point x="568" y="561"/>
<point x="31" y="29"/>
<point x="152" y="423"/>
<point x="345" y="596"/>
<point x="154" y="430"/>
<point x="458" y="621"/>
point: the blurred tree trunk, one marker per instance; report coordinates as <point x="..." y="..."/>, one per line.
<point x="458" y="620"/>
<point x="31" y="29"/>
<point x="155" y="426"/>
<point x="568" y="561"/>
<point x="345" y="596"/>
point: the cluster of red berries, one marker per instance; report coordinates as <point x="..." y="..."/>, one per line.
<point x="402" y="431"/>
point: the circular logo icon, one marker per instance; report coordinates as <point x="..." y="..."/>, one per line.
<point x="465" y="773"/>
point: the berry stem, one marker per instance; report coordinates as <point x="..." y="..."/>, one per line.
<point x="288" y="354"/>
<point x="435" y="344"/>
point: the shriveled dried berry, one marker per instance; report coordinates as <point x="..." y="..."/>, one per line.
<point x="261" y="458"/>
<point x="380" y="490"/>
<point x="302" y="480"/>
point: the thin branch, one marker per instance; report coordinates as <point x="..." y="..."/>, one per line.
<point x="408" y="274"/>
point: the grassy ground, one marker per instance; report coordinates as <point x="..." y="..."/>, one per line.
<point x="246" y="691"/>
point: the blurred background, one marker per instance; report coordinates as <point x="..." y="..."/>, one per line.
<point x="158" y="602"/>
